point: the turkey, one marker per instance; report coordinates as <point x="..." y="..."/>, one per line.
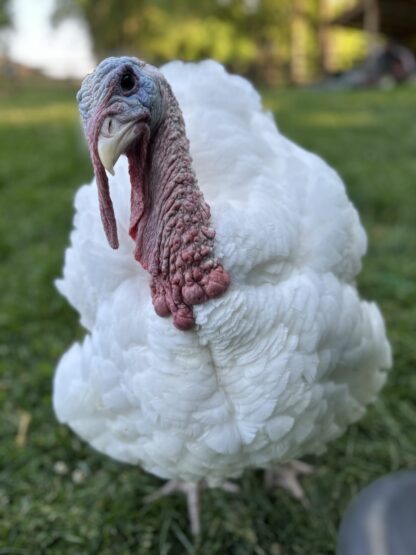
<point x="224" y="327"/>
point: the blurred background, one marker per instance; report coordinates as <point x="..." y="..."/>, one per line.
<point x="339" y="77"/>
<point x="273" y="42"/>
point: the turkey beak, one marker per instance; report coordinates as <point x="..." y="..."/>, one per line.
<point x="113" y="140"/>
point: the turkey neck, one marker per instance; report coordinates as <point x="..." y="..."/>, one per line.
<point x="168" y="184"/>
<point x="170" y="221"/>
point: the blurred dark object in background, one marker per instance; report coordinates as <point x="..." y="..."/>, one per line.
<point x="393" y="60"/>
<point x="385" y="67"/>
<point x="381" y="520"/>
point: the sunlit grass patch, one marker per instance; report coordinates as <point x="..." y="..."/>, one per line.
<point x="329" y="119"/>
<point x="62" y="112"/>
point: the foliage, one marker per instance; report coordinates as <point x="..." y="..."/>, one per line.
<point x="250" y="36"/>
<point x="253" y="37"/>
<point x="5" y="19"/>
<point x="234" y="32"/>
<point x="349" y="47"/>
<point x="57" y="496"/>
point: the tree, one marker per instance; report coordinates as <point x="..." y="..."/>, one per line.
<point x="5" y="19"/>
<point x="269" y="40"/>
<point x="249" y="36"/>
<point x="5" y="23"/>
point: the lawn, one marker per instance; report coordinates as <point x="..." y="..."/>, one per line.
<point x="59" y="497"/>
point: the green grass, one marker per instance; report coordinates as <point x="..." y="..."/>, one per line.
<point x="370" y="137"/>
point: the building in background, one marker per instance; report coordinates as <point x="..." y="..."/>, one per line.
<point x="394" y="19"/>
<point x="390" y="30"/>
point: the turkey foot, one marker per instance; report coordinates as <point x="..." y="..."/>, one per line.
<point x="287" y="477"/>
<point x="192" y="492"/>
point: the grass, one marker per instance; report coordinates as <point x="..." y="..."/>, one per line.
<point x="59" y="497"/>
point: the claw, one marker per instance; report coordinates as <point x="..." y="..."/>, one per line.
<point x="192" y="492"/>
<point x="287" y="477"/>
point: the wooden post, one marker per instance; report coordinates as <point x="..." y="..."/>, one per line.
<point x="323" y="37"/>
<point x="371" y="21"/>
<point x="297" y="44"/>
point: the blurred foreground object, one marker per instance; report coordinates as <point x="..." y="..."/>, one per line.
<point x="382" y="518"/>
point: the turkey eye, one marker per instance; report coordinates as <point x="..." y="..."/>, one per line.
<point x="127" y="82"/>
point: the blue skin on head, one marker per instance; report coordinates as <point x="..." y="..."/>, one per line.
<point x="105" y="97"/>
<point x="103" y="88"/>
<point x="124" y="104"/>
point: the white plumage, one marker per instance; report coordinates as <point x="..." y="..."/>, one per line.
<point x="275" y="368"/>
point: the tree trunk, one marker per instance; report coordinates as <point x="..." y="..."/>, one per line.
<point x="371" y="21"/>
<point x="323" y="37"/>
<point x="298" y="45"/>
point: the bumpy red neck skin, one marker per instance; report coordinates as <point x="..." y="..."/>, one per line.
<point x="170" y="222"/>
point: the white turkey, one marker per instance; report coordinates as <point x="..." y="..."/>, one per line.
<point x="252" y="246"/>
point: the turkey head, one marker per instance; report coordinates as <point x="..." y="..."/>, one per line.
<point x="128" y="108"/>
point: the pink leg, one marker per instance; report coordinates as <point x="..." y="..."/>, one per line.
<point x="287" y="477"/>
<point x="192" y="492"/>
